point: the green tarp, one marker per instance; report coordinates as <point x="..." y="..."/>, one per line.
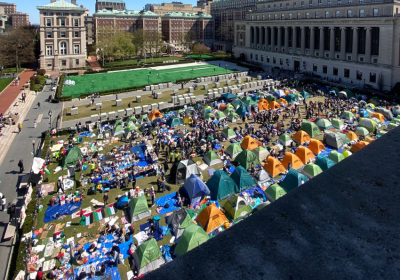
<point x="311" y="128"/>
<point x="292" y="180"/>
<point x="221" y="185"/>
<point x="242" y="178"/>
<point x="192" y="237"/>
<point x="148" y="252"/>
<point x="246" y="157"/>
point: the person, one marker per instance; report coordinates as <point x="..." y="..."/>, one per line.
<point x="40" y="274"/>
<point x="102" y="238"/>
<point x="19" y="128"/>
<point x="3" y="202"/>
<point x="93" y="247"/>
<point x="102" y="270"/>
<point x="34" y="123"/>
<point x="105" y="198"/>
<point x="153" y="197"/>
<point x="38" y="105"/>
<point x="60" y="185"/>
<point x="21" y="166"/>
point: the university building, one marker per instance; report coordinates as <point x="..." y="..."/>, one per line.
<point x="353" y="41"/>
<point x="9" y="16"/>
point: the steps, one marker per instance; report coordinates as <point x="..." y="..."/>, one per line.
<point x="93" y="63"/>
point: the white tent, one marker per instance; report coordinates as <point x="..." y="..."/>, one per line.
<point x="262" y="177"/>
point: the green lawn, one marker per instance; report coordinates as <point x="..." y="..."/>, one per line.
<point x="125" y="79"/>
<point x="5" y="82"/>
<point x="135" y="61"/>
<point x="11" y="70"/>
<point x="194" y="56"/>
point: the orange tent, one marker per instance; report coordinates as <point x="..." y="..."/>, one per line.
<point x="369" y="139"/>
<point x="274" y="166"/>
<point x="358" y="146"/>
<point x="274" y="105"/>
<point x="155" y="114"/>
<point x="262" y="104"/>
<point x="249" y="143"/>
<point x="287" y="92"/>
<point x="305" y="154"/>
<point x="379" y="116"/>
<point x="316" y="146"/>
<point x="294" y="161"/>
<point x="301" y="137"/>
<point x="211" y="218"/>
<point x="281" y="100"/>
<point x="352" y="136"/>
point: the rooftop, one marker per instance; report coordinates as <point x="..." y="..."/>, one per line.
<point x="60" y="5"/>
<point x="187" y="15"/>
<point x="111" y="1"/>
<point x="123" y="13"/>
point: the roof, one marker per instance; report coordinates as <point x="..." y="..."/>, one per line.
<point x="187" y="15"/>
<point x="124" y="13"/>
<point x="60" y="5"/>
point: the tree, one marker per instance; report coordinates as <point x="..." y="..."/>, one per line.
<point x="200" y="49"/>
<point x="190" y="38"/>
<point x="138" y="40"/>
<point x="123" y="45"/>
<point x="106" y="45"/>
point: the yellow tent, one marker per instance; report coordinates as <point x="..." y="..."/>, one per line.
<point x="155" y="114"/>
<point x="211" y="218"/>
<point x="294" y="161"/>
<point x="274" y="105"/>
<point x="316" y="146"/>
<point x="187" y="120"/>
<point x="301" y="137"/>
<point x="249" y="143"/>
<point x="305" y="154"/>
<point x="274" y="167"/>
<point x="358" y="146"/>
<point x="352" y="136"/>
<point x="281" y="100"/>
<point x="262" y="104"/>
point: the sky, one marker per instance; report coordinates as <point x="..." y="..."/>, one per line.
<point x="29" y="6"/>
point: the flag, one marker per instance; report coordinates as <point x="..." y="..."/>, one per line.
<point x="87" y="219"/>
<point x="58" y="234"/>
<point x="99" y="214"/>
<point x="111" y="209"/>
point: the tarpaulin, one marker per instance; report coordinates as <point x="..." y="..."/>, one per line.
<point x="56" y="211"/>
<point x="169" y="199"/>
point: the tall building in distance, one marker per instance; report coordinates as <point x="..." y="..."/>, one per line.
<point x="19" y="19"/>
<point x="175" y="7"/>
<point x="10" y="17"/>
<point x="354" y="43"/>
<point x="110" y="5"/>
<point x="8" y="8"/>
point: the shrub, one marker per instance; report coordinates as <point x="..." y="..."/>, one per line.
<point x="41" y="72"/>
<point x="35" y="79"/>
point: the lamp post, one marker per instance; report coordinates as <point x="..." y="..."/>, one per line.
<point x="50" y="113"/>
<point x="92" y="86"/>
<point x="191" y="76"/>
<point x="100" y="112"/>
<point x="226" y="71"/>
<point x="33" y="147"/>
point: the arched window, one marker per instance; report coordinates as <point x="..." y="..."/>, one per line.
<point x="63" y="48"/>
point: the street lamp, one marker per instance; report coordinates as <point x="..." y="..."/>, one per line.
<point x="50" y="113"/>
<point x="191" y="76"/>
<point x="33" y="147"/>
<point x="226" y="71"/>
<point x="100" y="113"/>
<point x="92" y="86"/>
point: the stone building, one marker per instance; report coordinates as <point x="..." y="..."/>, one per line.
<point x="10" y="17"/>
<point x="109" y="5"/>
<point x="8" y="8"/>
<point x="355" y="43"/>
<point x="19" y="19"/>
<point x="62" y="35"/>
<point x="177" y="7"/>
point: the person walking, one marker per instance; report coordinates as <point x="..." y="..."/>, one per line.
<point x="38" y="105"/>
<point x="105" y="198"/>
<point x="153" y="197"/>
<point x="3" y="203"/>
<point x="34" y="123"/>
<point x="19" y="128"/>
<point x="21" y="166"/>
<point x="60" y="186"/>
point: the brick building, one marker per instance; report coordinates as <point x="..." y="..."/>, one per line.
<point x="9" y="16"/>
<point x="164" y="8"/>
<point x="19" y="19"/>
<point x="109" y="5"/>
<point x="8" y="8"/>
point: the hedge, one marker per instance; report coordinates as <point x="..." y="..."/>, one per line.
<point x="60" y="86"/>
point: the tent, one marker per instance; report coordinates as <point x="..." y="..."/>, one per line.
<point x="172" y="122"/>
<point x="263" y="104"/>
<point x="228" y="97"/>
<point x="247" y="100"/>
<point x="391" y="126"/>
<point x="221" y="185"/>
<point x="122" y="203"/>
<point x="242" y="110"/>
<point x="236" y="103"/>
<point x="195" y="189"/>
<point x="144" y="118"/>
<point x="343" y="95"/>
<point x="362" y="131"/>
<point x="178" y="221"/>
<point x="270" y="98"/>
<point x="363" y="113"/>
<point x="130" y="119"/>
<point x="316" y="146"/>
<point x="242" y="179"/>
<point x="368" y="124"/>
<point x="347" y="115"/>
<point x="324" y="163"/>
<point x="335" y="156"/>
<point x="349" y="93"/>
<point x="228" y="133"/>
<point x="237" y="208"/>
<point x="249" y="143"/>
<point x="301" y="137"/>
<point x="344" y="137"/>
<point x="285" y="139"/>
<point x="148" y="257"/>
<point x="211" y="218"/>
<point x="374" y="100"/>
<point x="261" y="153"/>
<point x="333" y="139"/>
<point x="379" y="116"/>
<point x="37" y="165"/>
<point x="274" y="105"/>
<point x="261" y="177"/>
<point x="324" y="124"/>
<point x="282" y="101"/>
<point x="290" y="98"/>
<point x="396" y="110"/>
<point x="311" y="128"/>
<point x="138" y="208"/>
<point x="192" y="237"/>
<point x="358" y="146"/>
<point x="182" y="170"/>
<point x="274" y="192"/>
<point x="311" y="170"/>
<point x="219" y="115"/>
<point x="119" y="122"/>
<point x="305" y="94"/>
<point x="305" y="154"/>
<point x="221" y="107"/>
<point x="292" y="180"/>
<point x="211" y="158"/>
<point x="337" y="123"/>
<point x="246" y="158"/>
<point x="155" y="114"/>
<point x="294" y="161"/>
<point x="274" y="167"/>
<point x="232" y="117"/>
<point x="352" y="136"/>
<point x="118" y="130"/>
<point x="369" y="139"/>
<point x="279" y="93"/>
<point x="73" y="157"/>
<point x="233" y="150"/>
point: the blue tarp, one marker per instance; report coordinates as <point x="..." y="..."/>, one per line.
<point x="251" y="192"/>
<point x="112" y="273"/>
<point x="66" y="209"/>
<point x="139" y="151"/>
<point x="158" y="235"/>
<point x="84" y="134"/>
<point x="171" y="200"/>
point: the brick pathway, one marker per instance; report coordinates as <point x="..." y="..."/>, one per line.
<point x="93" y="63"/>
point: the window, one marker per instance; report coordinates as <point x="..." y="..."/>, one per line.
<point x="315" y="67"/>
<point x="287" y="5"/>
<point x="48" y="22"/>
<point x="256" y="56"/>
<point x="339" y="2"/>
<point x="376" y="12"/>
<point x="62" y="34"/>
<point x="348" y="13"/>
<point x="335" y="71"/>
<point x="49" y="50"/>
<point x="329" y="2"/>
<point x="319" y="2"/>
<point x="281" y="61"/>
<point x="48" y="34"/>
<point x="307" y="15"/>
<point x="302" y="3"/>
<point x="350" y="2"/>
<point x="63" y="48"/>
<point x="62" y="22"/>
<point x="298" y="16"/>
<point x="324" y="69"/>
<point x="262" y="58"/>
<point x="372" y="77"/>
<point x="76" y="49"/>
<point x="76" y="34"/>
<point x="76" y="22"/>
<point x="76" y="61"/>
<point x="269" y="7"/>
<point x="251" y="56"/>
<point x="346" y="73"/>
<point x="294" y="4"/>
<point x="267" y="59"/>
<point x="63" y="63"/>
<point x="282" y="16"/>
<point x="274" y="60"/>
<point x="276" y="16"/>
<point x="361" y="13"/>
<point x="337" y="14"/>
<point x="316" y="15"/>
<point x="290" y="16"/>
<point x="274" y="6"/>
<point x="326" y="14"/>
<point x="281" y="5"/>
<point x="359" y="75"/>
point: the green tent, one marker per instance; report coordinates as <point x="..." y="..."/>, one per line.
<point x="237" y="208"/>
<point x="362" y="131"/>
<point x="324" y="163"/>
<point x="270" y="98"/>
<point x="247" y="100"/>
<point x="221" y="185"/>
<point x="118" y="122"/>
<point x="344" y="137"/>
<point x="228" y="133"/>
<point x="246" y="157"/>
<point x="347" y="115"/>
<point x="73" y="157"/>
<point x="324" y="124"/>
<point x="144" y="118"/>
<point x="138" y="208"/>
<point x="148" y="257"/>
<point x="233" y="116"/>
<point x="131" y="128"/>
<point x="305" y="94"/>
<point x="172" y="122"/>
<point x="350" y="94"/>
<point x="391" y="126"/>
<point x="290" y="98"/>
<point x="130" y="119"/>
<point x="335" y="156"/>
<point x="228" y="111"/>
<point x="368" y="124"/>
<point x="236" y="103"/>
<point x="381" y="132"/>
<point x="209" y="115"/>
<point x="337" y="123"/>
<point x="311" y="128"/>
<point x="211" y="158"/>
<point x="297" y="96"/>
<point x="219" y="115"/>
<point x="311" y="170"/>
<point x="285" y="139"/>
<point x="192" y="237"/>
<point x="292" y="180"/>
<point x="242" y="178"/>
<point x="178" y="221"/>
<point x="233" y="150"/>
<point x="197" y="106"/>
<point x="118" y="130"/>
<point x="274" y="192"/>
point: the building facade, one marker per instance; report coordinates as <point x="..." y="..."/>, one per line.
<point x="10" y="17"/>
<point x="19" y="19"/>
<point x="8" y="8"/>
<point x="354" y="43"/>
<point x="3" y="20"/>
<point x="109" y="5"/>
<point x="62" y="36"/>
<point x="177" y="7"/>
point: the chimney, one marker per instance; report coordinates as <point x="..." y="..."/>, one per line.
<point x="52" y="1"/>
<point x="73" y="2"/>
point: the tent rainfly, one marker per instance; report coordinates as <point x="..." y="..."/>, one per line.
<point x="311" y="128"/>
<point x="182" y="170"/>
<point x="138" y="208"/>
<point x="211" y="158"/>
<point x="292" y="180"/>
<point x="246" y="158"/>
<point x="148" y="257"/>
<point x="195" y="189"/>
<point x="261" y="153"/>
<point x="228" y="133"/>
<point x="211" y="218"/>
<point x="262" y="177"/>
<point x="249" y="143"/>
<point x="221" y="185"/>
<point x="192" y="237"/>
<point x="242" y="178"/>
<point x="233" y="150"/>
<point x="285" y="139"/>
<point x="274" y="192"/>
<point x="237" y="207"/>
<point x="178" y="221"/>
<point x="73" y="157"/>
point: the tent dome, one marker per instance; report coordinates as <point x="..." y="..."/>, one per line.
<point x="195" y="189"/>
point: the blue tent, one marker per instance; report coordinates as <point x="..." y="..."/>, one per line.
<point x="279" y="93"/>
<point x="228" y="97"/>
<point x="292" y="180"/>
<point x="242" y="110"/>
<point x="324" y="162"/>
<point x="195" y="189"/>
<point x="363" y="113"/>
<point x="221" y="185"/>
<point x="172" y="122"/>
<point x="122" y="202"/>
<point x="242" y="178"/>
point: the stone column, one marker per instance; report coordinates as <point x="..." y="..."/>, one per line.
<point x="303" y="40"/>
<point x="257" y="35"/>
<point x="279" y="38"/>
<point x="286" y="39"/>
<point x="252" y="35"/>
<point x="332" y="43"/>
<point x="294" y="40"/>
<point x="263" y="36"/>
<point x="267" y="30"/>
<point x="355" y="44"/>
<point x="343" y="43"/>
<point x="273" y="38"/>
<point x="312" y="40"/>
<point x="368" y="45"/>
<point x="321" y="42"/>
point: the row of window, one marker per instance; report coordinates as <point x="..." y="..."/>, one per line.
<point x="63" y="49"/>
<point x="63" y="34"/>
<point x="310" y="4"/>
<point x="61" y="22"/>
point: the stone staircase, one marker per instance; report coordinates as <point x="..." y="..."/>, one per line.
<point x="94" y="63"/>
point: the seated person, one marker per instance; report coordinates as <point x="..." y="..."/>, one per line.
<point x="102" y="270"/>
<point x="93" y="247"/>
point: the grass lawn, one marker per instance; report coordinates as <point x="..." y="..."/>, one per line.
<point x="199" y="57"/>
<point x="5" y="82"/>
<point x="125" y="79"/>
<point x="135" y="61"/>
<point x="11" y="70"/>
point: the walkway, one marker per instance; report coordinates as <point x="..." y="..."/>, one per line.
<point x="94" y="63"/>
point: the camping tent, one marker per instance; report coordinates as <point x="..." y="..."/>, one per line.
<point x="178" y="221"/>
<point x="358" y="146"/>
<point x="344" y="137"/>
<point x="316" y="146"/>
<point x="182" y="170"/>
<point x="172" y="122"/>
<point x="368" y="124"/>
<point x="274" y="105"/>
<point x="211" y="218"/>
<point x="352" y="136"/>
<point x="73" y="157"/>
<point x="236" y="103"/>
<point x="305" y="154"/>
<point x="337" y="123"/>
<point x="192" y="237"/>
<point x="242" y="110"/>
<point x="290" y="98"/>
<point x="247" y="100"/>
<point x="391" y="126"/>
<point x="233" y="150"/>
<point x="261" y="177"/>
<point x="282" y="102"/>
<point x="324" y="124"/>
<point x="324" y="163"/>
<point x="261" y="153"/>
<point x="347" y="115"/>
<point x="232" y="117"/>
<point x="274" y="167"/>
<point x="292" y="180"/>
<point x="311" y="170"/>
<point x="379" y="116"/>
<point x="144" y="118"/>
<point x="246" y="158"/>
<point x="228" y="97"/>
<point x="333" y="139"/>
<point x="362" y="131"/>
<point x="305" y="94"/>
<point x="211" y="158"/>
<point x="263" y="104"/>
<point x="155" y="114"/>
<point x="221" y="185"/>
<point x="294" y="161"/>
<point x="131" y="119"/>
<point x="363" y="113"/>
<point x="148" y="257"/>
<point x="219" y="115"/>
<point x="335" y="156"/>
<point x="279" y="93"/>
<point x="237" y="207"/>
<point x="270" y="98"/>
<point x="249" y="143"/>
<point x="274" y="192"/>
<point x="301" y="137"/>
<point x="119" y="122"/>
<point x="118" y="130"/>
<point x="228" y="133"/>
<point x="311" y="128"/>
<point x="242" y="179"/>
<point x="285" y="139"/>
<point x="138" y="208"/>
<point x="195" y="189"/>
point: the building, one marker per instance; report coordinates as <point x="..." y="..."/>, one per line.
<point x="225" y="12"/>
<point x="3" y="19"/>
<point x="354" y="43"/>
<point x="19" y="19"/>
<point x="175" y="27"/>
<point x="8" y="8"/>
<point x="62" y="35"/>
<point x="204" y="4"/>
<point x="10" y="17"/>
<point x="164" y="8"/>
<point x="109" y="5"/>
<point x="90" y="33"/>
